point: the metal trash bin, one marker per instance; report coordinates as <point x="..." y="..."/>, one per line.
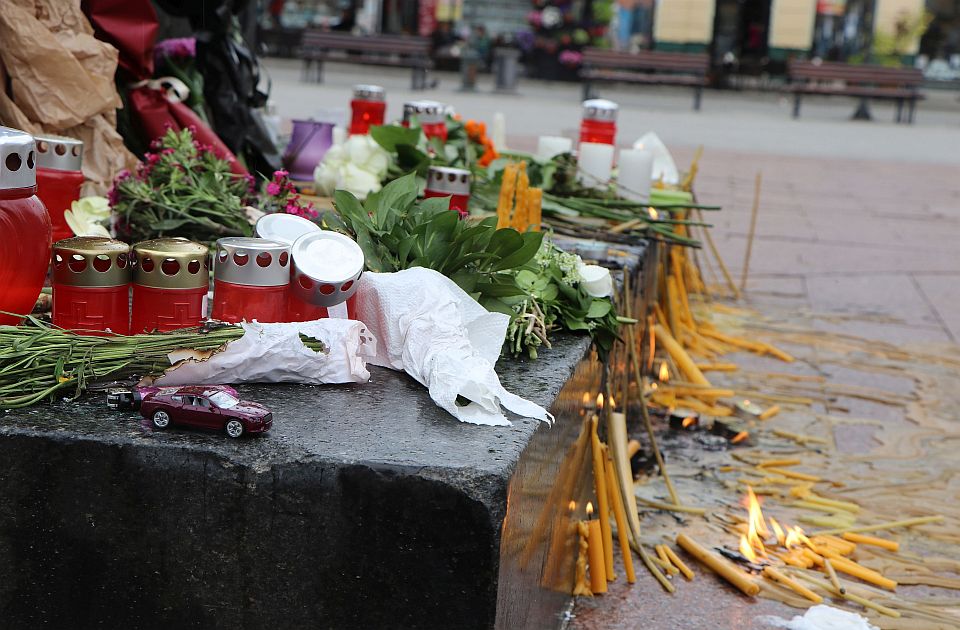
<point x="470" y="62"/>
<point x="506" y="68"/>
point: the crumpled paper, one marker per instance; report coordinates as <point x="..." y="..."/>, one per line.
<point x="274" y="353"/>
<point x="429" y="327"/>
<point x="821" y="617"/>
<point x="62" y="82"/>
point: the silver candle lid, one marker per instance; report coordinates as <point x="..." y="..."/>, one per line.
<point x="600" y="109"/>
<point x="326" y="268"/>
<point x="429" y="112"/>
<point x="18" y="159"/>
<point x="252" y="262"/>
<point x="284" y="228"/>
<point x="365" y="92"/>
<point x="59" y="153"/>
<point x="449" y="181"/>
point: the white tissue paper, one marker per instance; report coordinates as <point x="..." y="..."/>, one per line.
<point x="274" y="353"/>
<point x="429" y="327"/>
<point x="663" y="165"/>
<point x="821" y="617"/>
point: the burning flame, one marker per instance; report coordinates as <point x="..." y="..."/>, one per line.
<point x="572" y="506"/>
<point x="689" y="421"/>
<point x="586" y="399"/>
<point x="653" y="213"/>
<point x="600" y="400"/>
<point x="778" y="532"/>
<point x="589" y="509"/>
<point x="739" y="437"/>
<point x="756" y="526"/>
<point x="747" y="550"/>
<point x="793" y="538"/>
<point x="664" y="372"/>
<point x="613" y="402"/>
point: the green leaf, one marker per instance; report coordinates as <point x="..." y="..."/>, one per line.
<point x="389" y="136"/>
<point x="394" y="198"/>
<point x="531" y="242"/>
<point x="495" y="305"/>
<point x="410" y="158"/>
<point x="499" y="290"/>
<point x="599" y="308"/>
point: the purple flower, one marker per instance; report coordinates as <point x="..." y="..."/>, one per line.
<point x="273" y="189"/>
<point x="525" y="40"/>
<point x="177" y="47"/>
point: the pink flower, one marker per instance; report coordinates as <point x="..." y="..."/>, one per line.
<point x="273" y="189"/>
<point x="277" y="175"/>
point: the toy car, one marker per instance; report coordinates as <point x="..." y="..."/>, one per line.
<point x="207" y="407"/>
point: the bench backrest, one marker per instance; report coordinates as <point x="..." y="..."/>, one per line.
<point x="685" y="63"/>
<point x="318" y="41"/>
<point x="853" y="74"/>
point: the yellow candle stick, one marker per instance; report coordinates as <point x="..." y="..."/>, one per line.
<point x="769" y="412"/>
<point x="792" y="474"/>
<point x="890" y="545"/>
<point x="679" y="356"/>
<point x="581" y="586"/>
<point x="677" y="562"/>
<point x="621" y="520"/>
<point x="908" y="522"/>
<point x="832" y="574"/>
<point x="840" y="505"/>
<point x="772" y="574"/>
<point x="859" y="571"/>
<point x="598" y="570"/>
<point x="779" y="463"/>
<point x="722" y="567"/>
<point x="718" y="367"/>
<point x="600" y="485"/>
<point x="664" y="563"/>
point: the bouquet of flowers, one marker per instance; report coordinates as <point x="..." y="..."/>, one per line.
<point x="182" y="188"/>
<point x="357" y="166"/>
<point x="280" y="195"/>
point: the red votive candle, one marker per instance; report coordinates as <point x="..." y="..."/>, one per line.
<point x="91" y="285"/>
<point x="326" y="273"/>
<point x="444" y="181"/>
<point x="170" y="282"/>
<point x="431" y="115"/>
<point x="251" y="280"/>
<point x="599" y="121"/>
<point x="24" y="227"/>
<point x="59" y="178"/>
<point x="367" y="108"/>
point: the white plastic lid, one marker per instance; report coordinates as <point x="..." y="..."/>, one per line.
<point x="284" y="228"/>
<point x="328" y="256"/>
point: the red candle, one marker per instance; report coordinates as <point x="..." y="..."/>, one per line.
<point x="443" y="181"/>
<point x="326" y="274"/>
<point x="367" y="108"/>
<point x="59" y="178"/>
<point x="431" y="115"/>
<point x="91" y="285"/>
<point x="24" y="227"/>
<point x="251" y="278"/>
<point x="170" y="283"/>
<point x="599" y="121"/>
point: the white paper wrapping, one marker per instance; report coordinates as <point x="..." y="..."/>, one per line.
<point x="274" y="353"/>
<point x="429" y="327"/>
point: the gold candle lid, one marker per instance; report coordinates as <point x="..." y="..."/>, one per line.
<point x="91" y="261"/>
<point x="171" y="263"/>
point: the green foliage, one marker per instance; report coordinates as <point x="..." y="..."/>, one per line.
<point x="182" y="189"/>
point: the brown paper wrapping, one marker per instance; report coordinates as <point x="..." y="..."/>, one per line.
<point x="61" y="81"/>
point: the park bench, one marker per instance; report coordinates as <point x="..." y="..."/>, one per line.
<point x="645" y="67"/>
<point x="279" y="42"/>
<point x="863" y="82"/>
<point x="399" y="51"/>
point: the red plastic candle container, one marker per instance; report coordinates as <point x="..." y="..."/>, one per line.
<point x="170" y="282"/>
<point x="91" y="285"/>
<point x="24" y="227"/>
<point x="599" y="121"/>
<point x="59" y="178"/>
<point x="251" y="280"/>
<point x="367" y="108"/>
<point x="326" y="271"/>
<point x="443" y="181"/>
<point x="431" y="115"/>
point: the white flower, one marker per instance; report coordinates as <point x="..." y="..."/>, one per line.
<point x="358" y="165"/>
<point x="86" y="216"/>
<point x="595" y="280"/>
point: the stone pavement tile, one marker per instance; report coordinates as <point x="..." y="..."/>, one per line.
<point x="843" y="375"/>
<point x="855" y="439"/>
<point x="943" y="293"/>
<point x="890" y="333"/>
<point x="895" y="296"/>
<point x="915" y="231"/>
<point x="786" y="286"/>
<point x="866" y="409"/>
<point x="788" y="225"/>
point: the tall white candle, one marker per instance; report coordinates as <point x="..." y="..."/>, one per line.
<point x="634" y="172"/>
<point x="549" y="146"/>
<point x="498" y="134"/>
<point x="596" y="164"/>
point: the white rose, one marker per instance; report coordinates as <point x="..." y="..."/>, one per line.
<point x="85" y="216"/>
<point x="358" y="181"/>
<point x="326" y="176"/>
<point x="595" y="280"/>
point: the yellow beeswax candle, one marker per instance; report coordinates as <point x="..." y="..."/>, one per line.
<point x="598" y="570"/>
<point x="890" y="545"/>
<point x="600" y="485"/>
<point x="621" y="519"/>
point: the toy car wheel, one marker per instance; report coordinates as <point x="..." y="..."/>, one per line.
<point x="161" y="419"/>
<point x="234" y="428"/>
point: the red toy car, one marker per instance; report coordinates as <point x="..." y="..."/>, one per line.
<point x="207" y="407"/>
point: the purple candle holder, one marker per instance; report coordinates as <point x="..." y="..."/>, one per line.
<point x="309" y="142"/>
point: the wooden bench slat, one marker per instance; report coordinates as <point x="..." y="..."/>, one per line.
<point x="401" y="51"/>
<point x="649" y="67"/>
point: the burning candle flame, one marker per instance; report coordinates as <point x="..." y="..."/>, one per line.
<point x="747" y="550"/>
<point x="689" y="421"/>
<point x="756" y="526"/>
<point x="778" y="532"/>
<point x="653" y="213"/>
<point x="600" y="400"/>
<point x="572" y="506"/>
<point x="792" y="538"/>
<point x="590" y="509"/>
<point x="664" y="372"/>
<point x="739" y="437"/>
<point x="613" y="402"/>
<point x="586" y="399"/>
